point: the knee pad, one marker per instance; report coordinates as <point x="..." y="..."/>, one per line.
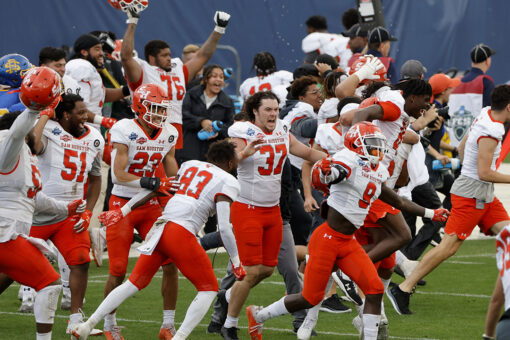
<point x="46" y="304"/>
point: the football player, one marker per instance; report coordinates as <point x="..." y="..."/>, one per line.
<point x="473" y="200"/>
<point x="159" y="68"/>
<point x="140" y="145"/>
<point x="69" y="154"/>
<point x="204" y="188"/>
<point x="255" y="214"/>
<point x="356" y="179"/>
<point x="267" y="77"/>
<point x="20" y="185"/>
<point x="13" y="68"/>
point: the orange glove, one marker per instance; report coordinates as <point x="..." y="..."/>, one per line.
<point x="239" y="272"/>
<point x="83" y="222"/>
<point x="109" y="218"/>
<point x="108" y="122"/>
<point x="76" y="207"/>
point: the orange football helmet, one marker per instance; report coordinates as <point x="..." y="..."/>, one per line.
<point x="40" y="88"/>
<point x="367" y="140"/>
<point x="151" y="102"/>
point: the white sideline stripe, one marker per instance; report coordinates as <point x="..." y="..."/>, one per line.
<point x="475" y="255"/>
<point x="482" y="296"/>
<point x="205" y="326"/>
<point x="464" y="262"/>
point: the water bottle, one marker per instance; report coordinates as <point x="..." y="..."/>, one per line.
<point x="216" y="125"/>
<point x="454" y="164"/>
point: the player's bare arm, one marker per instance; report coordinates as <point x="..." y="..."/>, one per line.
<point x="132" y="70"/>
<point x="368" y="114"/>
<point x="389" y="196"/>
<point x="120" y="161"/>
<point x="93" y="191"/>
<point x="300" y="150"/>
<point x="486" y="147"/>
<point x="462" y="147"/>
<point x="207" y="50"/>
<point x="310" y="203"/>
<point x="36" y="134"/>
<point x="170" y="163"/>
<point x="244" y="150"/>
<point x="410" y="137"/>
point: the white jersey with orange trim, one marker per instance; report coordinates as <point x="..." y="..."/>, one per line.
<point x="91" y="85"/>
<point x="260" y="174"/>
<point x="336" y="45"/>
<point x="19" y="186"/>
<point x="394" y="124"/>
<point x="299" y="111"/>
<point x="195" y="201"/>
<point x="353" y="196"/>
<point x="71" y="85"/>
<point x="174" y="82"/>
<point x="484" y="126"/>
<point x="264" y="83"/>
<point x="65" y="164"/>
<point x="329" y="137"/>
<point x="503" y="261"/>
<point x="145" y="153"/>
<point x="327" y="110"/>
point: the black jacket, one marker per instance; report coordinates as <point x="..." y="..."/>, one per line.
<point x="193" y="113"/>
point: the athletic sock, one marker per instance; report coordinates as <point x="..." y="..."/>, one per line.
<point x="168" y="317"/>
<point x="231" y="322"/>
<point x="370" y="326"/>
<point x="195" y="313"/>
<point x="273" y="310"/>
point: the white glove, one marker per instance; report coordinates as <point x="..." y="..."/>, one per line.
<point x="133" y="16"/>
<point x="368" y="70"/>
<point x="221" y="20"/>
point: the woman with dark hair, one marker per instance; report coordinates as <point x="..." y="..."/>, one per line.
<point x="203" y="105"/>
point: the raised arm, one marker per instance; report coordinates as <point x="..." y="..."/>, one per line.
<point x="300" y="150"/>
<point x="132" y="70"/>
<point x="205" y="52"/>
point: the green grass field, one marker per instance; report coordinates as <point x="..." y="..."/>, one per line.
<point x="451" y="306"/>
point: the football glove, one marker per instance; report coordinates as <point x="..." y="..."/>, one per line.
<point x="239" y="272"/>
<point x="76" y="207"/>
<point x="169" y="185"/>
<point x="440" y="215"/>
<point x="221" y="20"/>
<point x="108" y="122"/>
<point x="84" y="222"/>
<point x="368" y="70"/>
<point x="110" y="217"/>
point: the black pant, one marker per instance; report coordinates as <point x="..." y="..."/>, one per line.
<point x="426" y="196"/>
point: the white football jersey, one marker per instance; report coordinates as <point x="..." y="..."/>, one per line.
<point x="174" y="82"/>
<point x="353" y="196"/>
<point x="327" y="110"/>
<point x="91" y="85"/>
<point x="71" y="85"/>
<point x="258" y="84"/>
<point x="65" y="164"/>
<point x="335" y="45"/>
<point x="19" y="186"/>
<point x="299" y="111"/>
<point x="194" y="202"/>
<point x="393" y="130"/>
<point x="260" y="174"/>
<point x="145" y="153"/>
<point x="503" y="261"/>
<point x="484" y="126"/>
<point x="329" y="137"/>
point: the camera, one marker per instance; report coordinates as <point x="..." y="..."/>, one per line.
<point x="442" y="112"/>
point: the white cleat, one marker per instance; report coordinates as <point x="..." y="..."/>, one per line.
<point x="28" y="300"/>
<point x="305" y="331"/>
<point x="65" y="302"/>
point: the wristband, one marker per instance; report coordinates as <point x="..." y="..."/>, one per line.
<point x="132" y="20"/>
<point x="125" y="91"/>
<point x="97" y="119"/>
<point x="126" y="209"/>
<point x="429" y="213"/>
<point x="220" y="30"/>
<point x="151" y="183"/>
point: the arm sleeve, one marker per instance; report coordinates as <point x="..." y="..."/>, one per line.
<point x="226" y="232"/>
<point x="306" y="127"/>
<point x="10" y="147"/>
<point x="50" y="205"/>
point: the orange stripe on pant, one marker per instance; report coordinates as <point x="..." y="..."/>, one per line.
<point x="328" y="248"/>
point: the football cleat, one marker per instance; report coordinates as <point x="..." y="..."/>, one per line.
<point x="254" y="327"/>
<point x="65" y="302"/>
<point x="347" y="286"/>
<point x="167" y="332"/>
<point x="399" y="299"/>
<point x="306" y="330"/>
<point x="113" y="334"/>
<point x="229" y="333"/>
<point x="334" y="305"/>
<point x="28" y="300"/>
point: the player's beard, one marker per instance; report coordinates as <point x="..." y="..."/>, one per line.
<point x="94" y="63"/>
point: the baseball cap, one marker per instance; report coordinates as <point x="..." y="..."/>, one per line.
<point x="380" y="34"/>
<point x="481" y="52"/>
<point x="412" y="69"/>
<point x="440" y="82"/>
<point x="356" y="31"/>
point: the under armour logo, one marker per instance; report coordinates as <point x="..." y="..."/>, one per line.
<point x="327" y="236"/>
<point x="116" y="203"/>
